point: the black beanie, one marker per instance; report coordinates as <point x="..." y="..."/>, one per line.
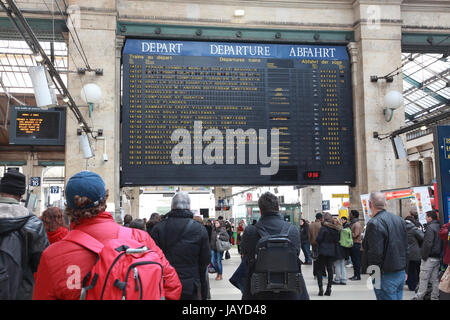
<point x="13" y="183"/>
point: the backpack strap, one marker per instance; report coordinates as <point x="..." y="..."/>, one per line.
<point x="124" y="233"/>
<point x="261" y="231"/>
<point x="283" y="233"/>
<point x="285" y="230"/>
<point x="85" y="240"/>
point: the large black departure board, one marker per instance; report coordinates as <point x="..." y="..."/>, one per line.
<point x="219" y="113"/>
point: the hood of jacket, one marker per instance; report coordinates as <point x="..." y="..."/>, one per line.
<point x="8" y="225"/>
<point x="12" y="209"/>
<point x="57" y="235"/>
<point x="13" y="216"/>
<point x="410" y="224"/>
<point x="332" y="226"/>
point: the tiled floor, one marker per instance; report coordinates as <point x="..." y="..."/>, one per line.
<point x="354" y="290"/>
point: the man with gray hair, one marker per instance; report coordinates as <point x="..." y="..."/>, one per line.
<point x="185" y="244"/>
<point x="386" y="244"/>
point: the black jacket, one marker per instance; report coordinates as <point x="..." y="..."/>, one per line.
<point x="386" y="242"/>
<point x="26" y="234"/>
<point x="304" y="233"/>
<point x="415" y="239"/>
<point x="223" y="235"/>
<point x="432" y="244"/>
<point x="189" y="255"/>
<point x="209" y="230"/>
<point x="273" y="224"/>
<point x="328" y="241"/>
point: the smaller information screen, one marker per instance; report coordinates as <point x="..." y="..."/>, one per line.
<point x="35" y="126"/>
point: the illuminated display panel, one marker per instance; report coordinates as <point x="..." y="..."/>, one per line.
<point x="303" y="91"/>
<point x="35" y="126"/>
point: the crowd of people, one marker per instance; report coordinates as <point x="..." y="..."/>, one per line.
<point x="334" y="241"/>
<point x="83" y="253"/>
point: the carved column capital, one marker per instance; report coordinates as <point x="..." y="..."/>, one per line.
<point x="353" y="51"/>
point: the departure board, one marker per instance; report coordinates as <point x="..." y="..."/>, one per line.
<point x="220" y="113"/>
<point x="35" y="126"/>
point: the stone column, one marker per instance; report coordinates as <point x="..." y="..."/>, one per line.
<point x="378" y="45"/>
<point x="33" y="170"/>
<point x="413" y="173"/>
<point x="117" y="142"/>
<point x="95" y="25"/>
<point x="358" y="129"/>
<point x="135" y="202"/>
<point x="428" y="172"/>
<point x="311" y="202"/>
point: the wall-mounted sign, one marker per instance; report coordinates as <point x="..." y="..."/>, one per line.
<point x="340" y="195"/>
<point x="35" y="181"/>
<point x="54" y="189"/>
<point x="35" y="126"/>
<point x="441" y="142"/>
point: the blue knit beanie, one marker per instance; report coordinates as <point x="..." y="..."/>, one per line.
<point x="85" y="184"/>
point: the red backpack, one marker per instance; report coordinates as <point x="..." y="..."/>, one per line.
<point x="125" y="269"/>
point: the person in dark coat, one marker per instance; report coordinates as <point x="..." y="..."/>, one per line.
<point x="20" y="231"/>
<point x="184" y="242"/>
<point x="239" y="232"/>
<point x="304" y="240"/>
<point x="155" y="218"/>
<point x="355" y="250"/>
<point x="415" y="239"/>
<point x="273" y="223"/>
<point x="138" y="224"/>
<point x="328" y="240"/>
<point x="208" y="227"/>
<point x="386" y="246"/>
<point x="230" y="232"/>
<point x="314" y="228"/>
<point x="127" y="220"/>
<point x="218" y="232"/>
<point x="431" y="253"/>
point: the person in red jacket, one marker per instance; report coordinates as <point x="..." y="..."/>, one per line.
<point x="443" y="234"/>
<point x="54" y="224"/>
<point x="64" y="264"/>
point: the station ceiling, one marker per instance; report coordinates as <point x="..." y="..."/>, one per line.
<point x="426" y="85"/>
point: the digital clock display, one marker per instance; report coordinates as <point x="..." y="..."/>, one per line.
<point x="311" y="175"/>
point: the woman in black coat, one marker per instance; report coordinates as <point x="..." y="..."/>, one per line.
<point x="415" y="239"/>
<point x="328" y="240"/>
<point x="218" y="232"/>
